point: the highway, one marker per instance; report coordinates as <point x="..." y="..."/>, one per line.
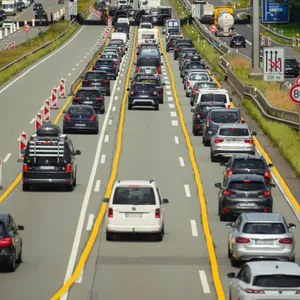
<point x="153" y="147"/>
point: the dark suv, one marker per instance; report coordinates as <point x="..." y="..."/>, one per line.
<point x="171" y="40"/>
<point x="291" y="67"/>
<point x="107" y="65"/>
<point x="237" y="41"/>
<point x="97" y="79"/>
<point x="49" y="159"/>
<point x="178" y="45"/>
<point x="149" y="62"/>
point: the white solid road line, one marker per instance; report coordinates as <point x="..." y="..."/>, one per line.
<point x="32" y="121"/>
<point x="90" y="222"/>
<point x="85" y="203"/>
<point x="173" y="114"/>
<point x="194" y="228"/>
<point x="181" y="161"/>
<point x="176" y="138"/>
<point x="97" y="186"/>
<point x="174" y="123"/>
<point x="106" y="139"/>
<point x="6" y="158"/>
<point x="187" y="191"/>
<point x="102" y="161"/>
<point x="80" y="277"/>
<point x="204" y="282"/>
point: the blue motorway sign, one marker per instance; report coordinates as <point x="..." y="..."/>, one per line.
<point x="275" y="11"/>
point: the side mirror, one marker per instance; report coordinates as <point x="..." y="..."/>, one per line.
<point x="105" y="200"/>
<point x="193" y="109"/>
<point x="254" y="133"/>
<point x="218" y="185"/>
<point x="292" y="226"/>
<point x="165" y="201"/>
<point x="77" y="152"/>
<point x="270" y="165"/>
<point x="231" y="275"/>
<point x="272" y="185"/>
<point x="128" y="89"/>
<point x="229" y="225"/>
<point x="21" y="227"/>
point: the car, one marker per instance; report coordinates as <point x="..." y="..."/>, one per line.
<point x="115" y="51"/>
<point x="191" y="66"/>
<point x="214" y="95"/>
<point x="80" y="118"/>
<point x="3" y="14"/>
<point x="41" y="14"/>
<point x="172" y="31"/>
<point x="121" y="42"/>
<point x="259" y="280"/>
<point x="146" y="26"/>
<point x="135" y="206"/>
<point x="216" y="117"/>
<point x="111" y="55"/>
<point x="260" y="236"/>
<point x="244" y="193"/>
<point x="237" y="41"/>
<point x="118" y="44"/>
<point x="147" y="70"/>
<point x="247" y="164"/>
<point x="151" y="53"/>
<point x="90" y="96"/>
<point x="148" y="62"/>
<point x="49" y="159"/>
<point x="107" y="65"/>
<point x="230" y="139"/>
<point x="194" y="77"/>
<point x="198" y="86"/>
<point x="37" y="6"/>
<point x="123" y="29"/>
<point x="20" y="6"/>
<point x="97" y="79"/>
<point x="188" y="54"/>
<point x="11" y="243"/>
<point x="144" y="45"/>
<point x="143" y="94"/>
<point x="291" y="67"/>
<point x="178" y="45"/>
<point x="200" y="113"/>
<point x="170" y="41"/>
<point x="8" y="23"/>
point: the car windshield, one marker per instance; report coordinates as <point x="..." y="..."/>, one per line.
<point x="96" y="75"/>
<point x="234" y="132"/>
<point x="264" y="228"/>
<point x="248" y="164"/>
<point x="224" y="117"/>
<point x="134" y="196"/>
<point x="80" y="110"/>
<point x="277" y="281"/>
<point x="213" y="98"/>
<point x="105" y="62"/>
<point x="246" y="186"/>
<point x="87" y="94"/>
<point x="200" y="77"/>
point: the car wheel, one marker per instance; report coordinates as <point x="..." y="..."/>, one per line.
<point x="212" y="157"/>
<point x="234" y="262"/>
<point x="129" y="106"/>
<point x="108" y="93"/>
<point x="25" y="187"/>
<point x="156" y="107"/>
<point x="96" y="131"/>
<point x="109" y="236"/>
<point x="70" y="187"/>
<point x="159" y="236"/>
<point x="65" y="131"/>
<point x="191" y="102"/>
<point x="167" y="50"/>
<point x="206" y="143"/>
<point x="195" y="133"/>
<point x="293" y="259"/>
<point x="75" y="180"/>
<point x="184" y="87"/>
<point x="102" y="111"/>
<point x="229" y="252"/>
<point x="222" y="217"/>
<point x="187" y="94"/>
<point x="12" y="266"/>
<point x="19" y="260"/>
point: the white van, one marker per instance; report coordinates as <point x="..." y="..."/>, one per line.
<point x="10" y="7"/>
<point x="214" y="95"/>
<point x="148" y="34"/>
<point x="120" y="36"/>
<point x="146" y="26"/>
<point x="123" y="20"/>
<point x="135" y="206"/>
<point x="122" y="2"/>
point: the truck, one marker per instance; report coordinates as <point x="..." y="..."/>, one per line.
<point x="10" y="7"/>
<point x="203" y="12"/>
<point x="224" y="20"/>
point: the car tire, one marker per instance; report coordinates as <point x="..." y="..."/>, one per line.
<point x="109" y="236"/>
<point x="12" y="266"/>
<point x="184" y="87"/>
<point x="108" y="93"/>
<point x="195" y="133"/>
<point x="102" y="111"/>
<point x="235" y="263"/>
<point x="161" y="101"/>
<point x="212" y="157"/>
<point x="206" y="143"/>
<point x="129" y="106"/>
<point x="167" y="50"/>
<point x="159" y="236"/>
<point x="156" y="107"/>
<point x="96" y="131"/>
<point x="229" y="252"/>
<point x="65" y="131"/>
<point x="70" y="187"/>
<point x="187" y="94"/>
<point x="19" y="259"/>
<point x="191" y="102"/>
<point x="75" y="180"/>
<point x="25" y="187"/>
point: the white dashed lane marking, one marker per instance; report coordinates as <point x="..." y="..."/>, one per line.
<point x="187" y="191"/>
<point x="181" y="162"/>
<point x="173" y="114"/>
<point x="174" y="123"/>
<point x="176" y="138"/>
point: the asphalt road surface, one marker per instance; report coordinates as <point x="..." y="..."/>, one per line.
<point x="153" y="147"/>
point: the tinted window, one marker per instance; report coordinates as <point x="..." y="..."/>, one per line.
<point x="147" y="26"/>
<point x="189" y="50"/>
<point x="183" y="46"/>
<point x="2" y="229"/>
<point x="238" y="38"/>
<point x="134" y="196"/>
<point x="264" y="228"/>
<point x="148" y="71"/>
<point x="195" y="65"/>
<point x="248" y="164"/>
<point x="87" y="93"/>
<point x="207" y="108"/>
<point x="149" y="52"/>
<point x="109" y="56"/>
<point x="224" y="116"/>
<point x="80" y="110"/>
<point x="96" y="75"/>
<point x="234" y="132"/>
<point x="290" y="61"/>
<point x="141" y="87"/>
<point x="200" y="77"/>
<point x="148" y="36"/>
<point x="277" y="281"/>
<point x="148" y="62"/>
<point x="105" y="62"/>
<point x="148" y="80"/>
<point x="246" y="186"/>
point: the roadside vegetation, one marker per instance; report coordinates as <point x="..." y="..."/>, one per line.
<point x="182" y="12"/>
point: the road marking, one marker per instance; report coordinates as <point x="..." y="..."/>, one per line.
<point x="169" y="93"/>
<point x="173" y="113"/>
<point x="164" y="73"/>
<point x="90" y="221"/>
<point x="81" y="60"/>
<point x="110" y="122"/>
<point x="84" y="57"/>
<point x="120" y="81"/>
<point x="77" y="65"/>
<point x="103" y="156"/>
<point x="32" y="120"/>
<point x="114" y="108"/>
<point x="249" y="42"/>
<point x="204" y="282"/>
<point x="174" y="123"/>
<point x="168" y="88"/>
<point x="69" y="74"/>
<point x="167" y="82"/>
<point x="97" y="186"/>
<point x="166" y="77"/>
<point x="170" y="99"/>
<point x="116" y="97"/>
<point x="118" y="88"/>
<point x="194" y="228"/>
<point x="176" y="138"/>
<point x="80" y="277"/>
<point x="6" y="158"/>
<point x="106" y="138"/>
<point x="181" y="161"/>
<point x="171" y="105"/>
<point x="121" y="74"/>
<point x="187" y="191"/>
<point x="73" y="69"/>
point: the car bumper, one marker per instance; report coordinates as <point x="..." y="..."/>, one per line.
<point x="143" y="101"/>
<point x="80" y="126"/>
<point x="6" y="258"/>
<point x="291" y="72"/>
<point x="46" y="181"/>
<point x="230" y="152"/>
<point x="237" y="211"/>
<point x="133" y="229"/>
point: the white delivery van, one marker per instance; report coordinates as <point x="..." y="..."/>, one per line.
<point x="10" y="7"/>
<point x="214" y="95"/>
<point x="148" y="34"/>
<point x="120" y="36"/>
<point x="122" y="2"/>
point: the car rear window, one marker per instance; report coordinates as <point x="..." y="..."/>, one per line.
<point x="248" y="164"/>
<point x="147" y="26"/>
<point x="80" y="110"/>
<point x="144" y="87"/>
<point x="246" y="186"/>
<point x="200" y="77"/>
<point x="206" y="108"/>
<point x="189" y="51"/>
<point x="234" y="132"/>
<point x="2" y="230"/>
<point x="290" y="61"/>
<point x="134" y="196"/>
<point x="109" y="56"/>
<point x="195" y="65"/>
<point x="148" y="62"/>
<point x="87" y="94"/>
<point x="154" y="81"/>
<point x="238" y="38"/>
<point x="148" y="71"/>
<point x="183" y="46"/>
<point x="264" y="228"/>
<point x="277" y="281"/>
<point x="105" y="62"/>
<point x="224" y="116"/>
<point x="207" y="85"/>
<point x="149" y="52"/>
<point x="96" y="75"/>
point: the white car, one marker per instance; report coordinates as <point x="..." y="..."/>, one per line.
<point x="261" y="280"/>
<point x="135" y="206"/>
<point x="8" y="23"/>
<point x="214" y="95"/>
<point x="146" y="26"/>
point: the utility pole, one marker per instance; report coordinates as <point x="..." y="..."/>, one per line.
<point x="255" y="70"/>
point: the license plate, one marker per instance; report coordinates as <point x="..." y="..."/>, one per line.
<point x="143" y="96"/>
<point x="133" y="215"/>
<point x="47" y="167"/>
<point x="246" y="204"/>
<point x="95" y="83"/>
<point x="80" y="125"/>
<point x="88" y="102"/>
<point x="289" y="69"/>
<point x="264" y="242"/>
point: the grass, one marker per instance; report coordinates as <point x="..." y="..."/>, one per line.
<point x="275" y="38"/>
<point x="182" y="12"/>
<point x="243" y="3"/>
<point x="285" y="138"/>
<point x="288" y="29"/>
<point x="82" y="5"/>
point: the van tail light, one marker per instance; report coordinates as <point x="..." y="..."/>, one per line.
<point x="250" y="141"/>
<point x="250" y="291"/>
<point x="5" y="242"/>
<point x="68" y="117"/>
<point x="265" y="193"/>
<point x="157" y="213"/>
<point x="68" y="168"/>
<point x="217" y="140"/>
<point x="136" y="69"/>
<point x="188" y="83"/>
<point x="169" y="43"/>
<point x="131" y="92"/>
<point x="106" y="81"/>
<point x="110" y="213"/>
<point x="92" y="117"/>
<point x="266" y="210"/>
<point x="198" y="116"/>
<point x="298" y="292"/>
<point x="154" y="93"/>
<point x="25" y="167"/>
<point x="99" y="98"/>
<point x="286" y="241"/>
<point x="267" y="174"/>
<point x="242" y="240"/>
<point x="85" y="80"/>
<point x="228" y="192"/>
<point x="229" y="172"/>
<point x="207" y="122"/>
<point x="159" y="69"/>
<point x="77" y="98"/>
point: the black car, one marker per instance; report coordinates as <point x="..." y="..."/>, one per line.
<point x="244" y="193"/>
<point x="178" y="46"/>
<point x="247" y="164"/>
<point x="143" y="94"/>
<point x="170" y="41"/>
<point x="149" y="62"/>
<point x="80" y="118"/>
<point x="11" y="243"/>
<point x="237" y="41"/>
<point x="2" y="14"/>
<point x="191" y="65"/>
<point x="97" y="79"/>
<point x="90" y="96"/>
<point x="201" y="85"/>
<point x="49" y="159"/>
<point x="219" y="116"/>
<point x="107" y="65"/>
<point x="20" y="5"/>
<point x="291" y="67"/>
<point x="200" y="113"/>
<point x="187" y="54"/>
<point x="37" y="6"/>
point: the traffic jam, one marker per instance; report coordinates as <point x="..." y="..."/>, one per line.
<point x="260" y="241"/>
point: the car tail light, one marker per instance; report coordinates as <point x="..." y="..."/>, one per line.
<point x="157" y="213"/>
<point x="177" y="49"/>
<point x="267" y="210"/>
<point x="106" y="81"/>
<point x="250" y="291"/>
<point x="159" y="69"/>
<point x="5" y="242"/>
<point x="250" y="141"/>
<point x="298" y="292"/>
<point x="85" y="80"/>
<point x="117" y="61"/>
<point x="25" y="167"/>
<point x="228" y="106"/>
<point x="154" y="93"/>
<point x="77" y="98"/>
<point x="68" y="168"/>
<point x="121" y="48"/>
<point x="110" y="213"/>
<point x="92" y="117"/>
<point x="267" y="174"/>
<point x="113" y="67"/>
<point x="194" y="92"/>
<point x="286" y="241"/>
<point x="99" y="98"/>
<point x="188" y="83"/>
<point x="131" y="92"/>
<point x="265" y="193"/>
<point x="217" y="140"/>
<point x="242" y="240"/>
<point x="198" y="116"/>
<point x="169" y="43"/>
<point x="136" y="69"/>
<point x="229" y="172"/>
<point x="228" y="192"/>
<point x="68" y="117"/>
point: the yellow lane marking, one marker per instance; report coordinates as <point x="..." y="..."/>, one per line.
<point x="205" y="223"/>
<point x="93" y="236"/>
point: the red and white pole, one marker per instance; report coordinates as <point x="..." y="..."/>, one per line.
<point x="54" y="104"/>
<point x="62" y="88"/>
<point x="46" y="112"/>
<point x="38" y="121"/>
<point x="22" y="145"/>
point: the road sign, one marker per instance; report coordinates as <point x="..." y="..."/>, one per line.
<point x="295" y="93"/>
<point x="26" y="27"/>
<point x="297" y="80"/>
<point x="273" y="64"/>
<point x="213" y="28"/>
<point x="275" y="11"/>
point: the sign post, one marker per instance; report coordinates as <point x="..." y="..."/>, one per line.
<point x="1" y="164"/>
<point x="26" y="28"/>
<point x="295" y="97"/>
<point x="273" y="64"/>
<point x="275" y="11"/>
